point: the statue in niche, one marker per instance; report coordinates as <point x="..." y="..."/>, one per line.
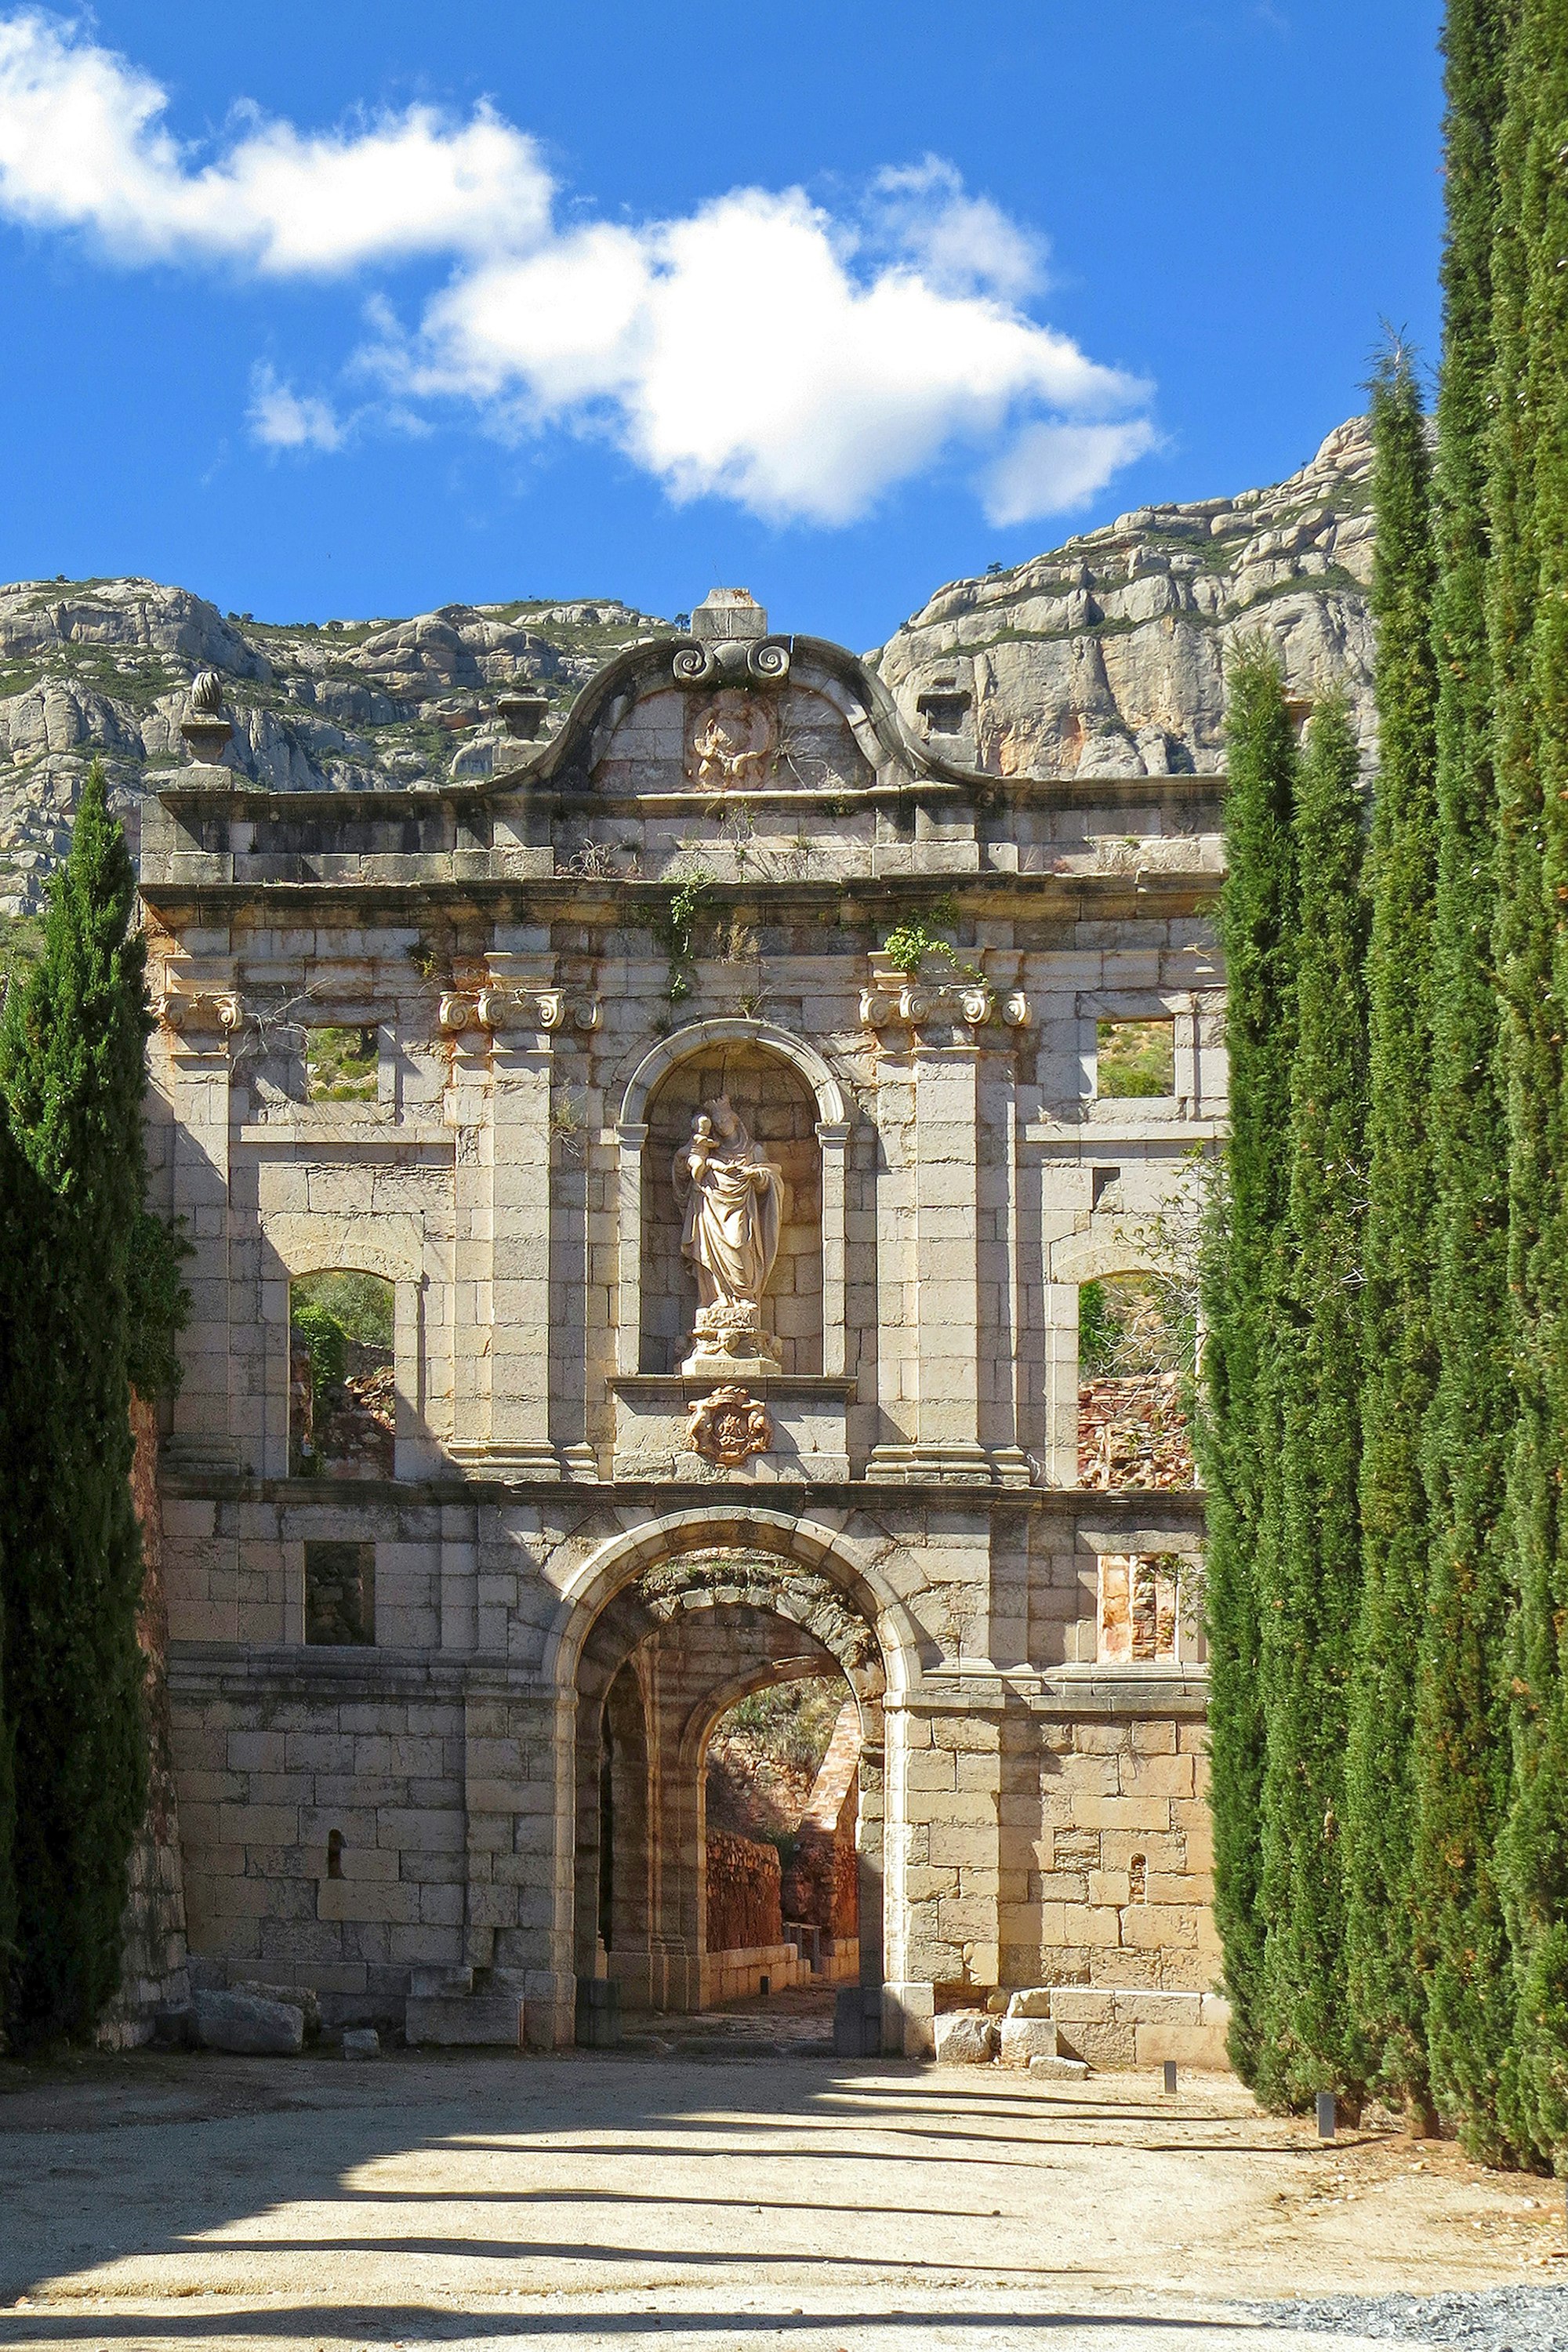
<point x="732" y="1200"/>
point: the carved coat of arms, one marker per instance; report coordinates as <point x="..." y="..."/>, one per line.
<point x="728" y="1425"/>
<point x="730" y="741"/>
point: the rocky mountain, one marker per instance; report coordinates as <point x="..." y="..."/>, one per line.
<point x="1104" y="657"/>
<point x="104" y="666"/>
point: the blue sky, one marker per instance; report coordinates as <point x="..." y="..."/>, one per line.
<point x="363" y="307"/>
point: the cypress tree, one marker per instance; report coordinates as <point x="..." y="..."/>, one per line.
<point x="1310" y="1579"/>
<point x="1462" y="1745"/>
<point x="1241" y="1260"/>
<point x="1385" y="1947"/>
<point x="71" y="1065"/>
<point x="1528" y="617"/>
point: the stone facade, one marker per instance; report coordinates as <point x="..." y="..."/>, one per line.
<point x="685" y="892"/>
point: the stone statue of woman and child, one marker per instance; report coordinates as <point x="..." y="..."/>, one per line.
<point x="733" y="1202"/>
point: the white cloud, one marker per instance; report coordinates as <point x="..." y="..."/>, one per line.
<point x="959" y="244"/>
<point x="738" y="353"/>
<point x="82" y="146"/>
<point x="279" y="418"/>
<point x="1051" y="469"/>
<point x="799" y="363"/>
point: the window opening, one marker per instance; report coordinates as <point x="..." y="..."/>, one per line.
<point x="1136" y="1343"/>
<point x="340" y="1595"/>
<point x="334" y="1853"/>
<point x="1133" y="1058"/>
<point x="1140" y="1608"/>
<point x="341" y="1392"/>
<point x="943" y="711"/>
<point x="341" y="1064"/>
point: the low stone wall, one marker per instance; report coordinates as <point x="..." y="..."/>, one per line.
<point x="738" y="1975"/>
<point x="743" y="1894"/>
<point x="1142" y="2029"/>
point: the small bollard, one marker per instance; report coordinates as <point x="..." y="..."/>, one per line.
<point x="1170" y="2078"/>
<point x="1326" y="2118"/>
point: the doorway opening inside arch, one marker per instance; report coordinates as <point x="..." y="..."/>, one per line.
<point x="782" y="1787"/>
<point x="729" y="1794"/>
<point x="341" y="1398"/>
<point x="1136" y="1341"/>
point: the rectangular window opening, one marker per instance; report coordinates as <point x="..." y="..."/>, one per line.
<point x="1140" y="1608"/>
<point x="340" y="1595"/>
<point x="1134" y="1058"/>
<point x="341" y="1064"/>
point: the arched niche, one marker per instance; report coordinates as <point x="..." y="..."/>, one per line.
<point x="795" y="1109"/>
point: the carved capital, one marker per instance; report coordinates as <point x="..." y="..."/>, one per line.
<point x="732" y="661"/>
<point x="190" y="1011"/>
<point x="490" y="1009"/>
<point x="916" y="1000"/>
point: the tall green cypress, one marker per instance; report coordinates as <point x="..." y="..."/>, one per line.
<point x="1463" y="1747"/>
<point x="1528" y="616"/>
<point x="1241" y="1260"/>
<point x="73" y="1075"/>
<point x="1311" y="1579"/>
<point x="1384" y="1946"/>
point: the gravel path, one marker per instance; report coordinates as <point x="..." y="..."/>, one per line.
<point x="1498" y="2319"/>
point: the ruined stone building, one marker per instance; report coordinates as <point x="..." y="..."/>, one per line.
<point x="732" y="1230"/>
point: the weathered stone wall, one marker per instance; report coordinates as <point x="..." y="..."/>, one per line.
<point x="911" y="1514"/>
<point x="743" y="1907"/>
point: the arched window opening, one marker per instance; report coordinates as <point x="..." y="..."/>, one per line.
<point x="334" y="1853"/>
<point x="342" y="1397"/>
<point x="1136" y="1340"/>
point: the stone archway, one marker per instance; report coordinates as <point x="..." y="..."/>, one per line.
<point x="669" y="1646"/>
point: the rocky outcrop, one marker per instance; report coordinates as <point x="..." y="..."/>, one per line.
<point x="105" y="666"/>
<point x="1104" y="657"/>
<point x="1107" y="656"/>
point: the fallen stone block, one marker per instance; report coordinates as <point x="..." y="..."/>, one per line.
<point x="1023" y="2039"/>
<point x="1035" y="2000"/>
<point x="248" y="2027"/>
<point x="300" y="1997"/>
<point x="965" y="2039"/>
<point x="1060" y="2070"/>
<point x="471" y="2021"/>
<point x="361" y="2042"/>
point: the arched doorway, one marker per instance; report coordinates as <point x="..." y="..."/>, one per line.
<point x="665" y="1656"/>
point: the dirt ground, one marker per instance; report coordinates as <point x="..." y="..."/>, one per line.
<point x="708" y="2197"/>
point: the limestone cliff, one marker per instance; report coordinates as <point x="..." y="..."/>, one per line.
<point x="1106" y="658"/>
<point x="105" y="666"/>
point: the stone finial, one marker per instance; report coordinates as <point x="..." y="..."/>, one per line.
<point x="206" y="731"/>
<point x="523" y="714"/>
<point x="726" y="614"/>
<point x="733" y="646"/>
